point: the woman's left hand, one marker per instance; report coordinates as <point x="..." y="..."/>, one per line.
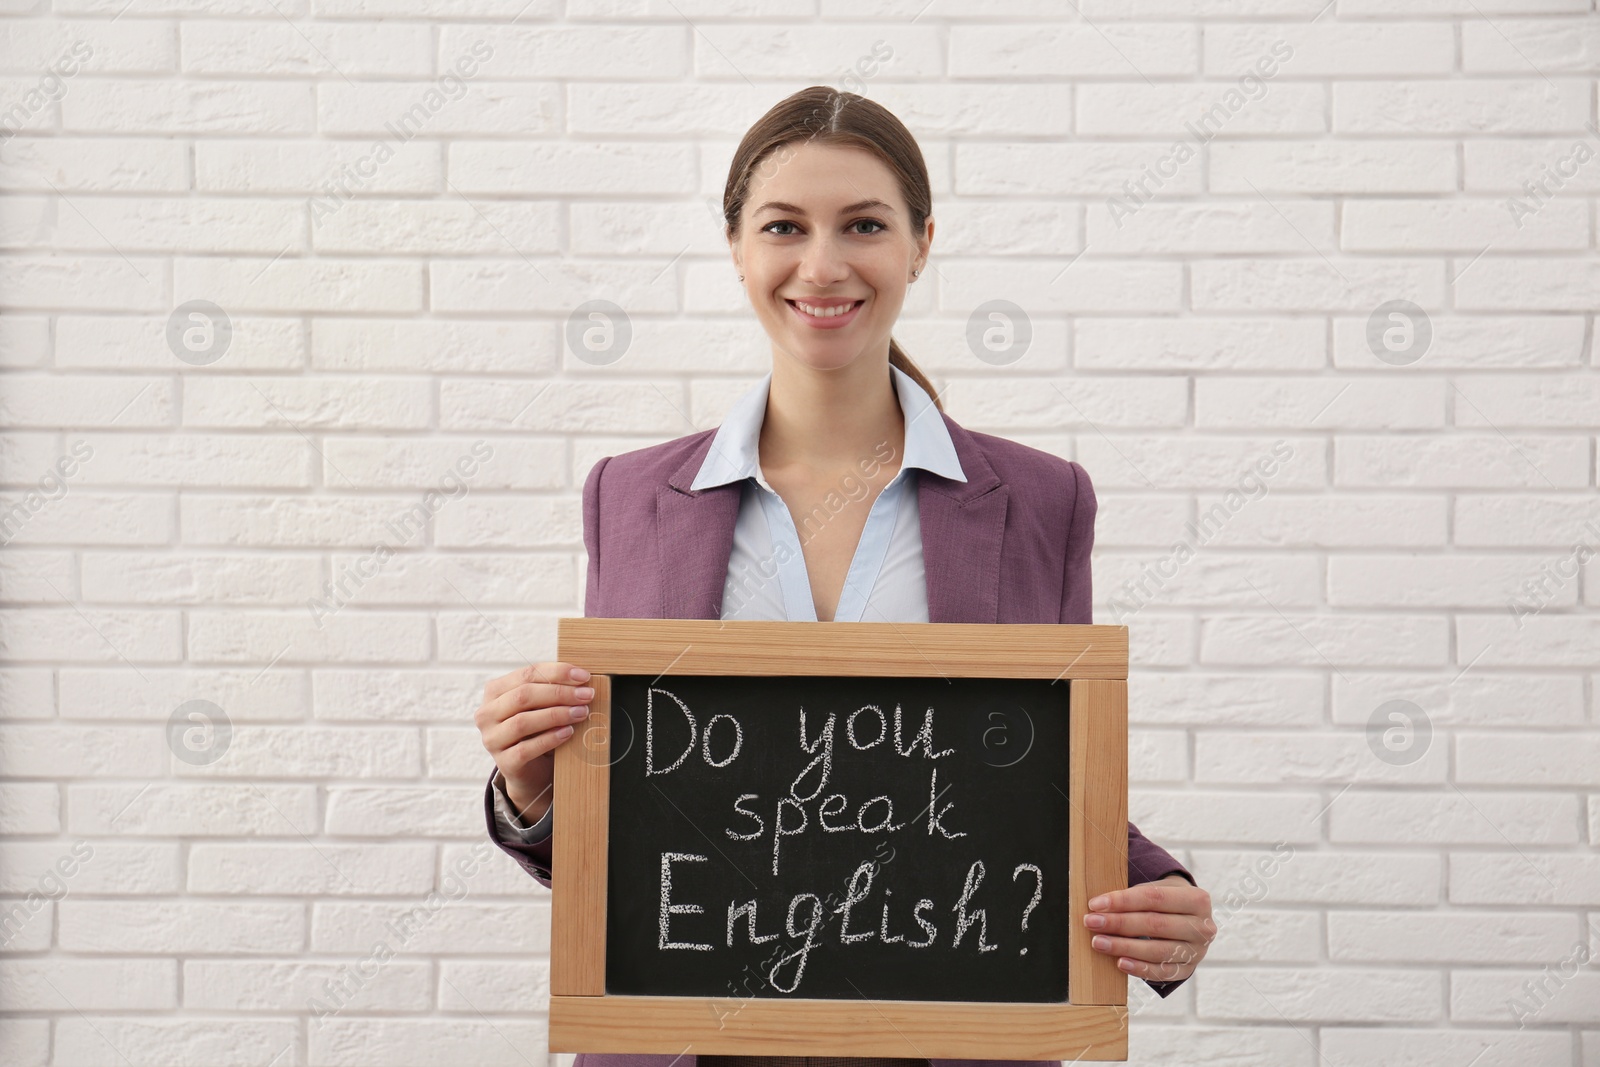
<point x="1175" y="917"/>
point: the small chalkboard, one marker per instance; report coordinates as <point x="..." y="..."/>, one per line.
<point x="840" y="839"/>
<point x="887" y="838"/>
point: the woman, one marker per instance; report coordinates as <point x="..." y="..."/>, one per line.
<point x="828" y="211"/>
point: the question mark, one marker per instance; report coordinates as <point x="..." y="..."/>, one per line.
<point x="1038" y="891"/>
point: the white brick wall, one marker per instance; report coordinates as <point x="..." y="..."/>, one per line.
<point x="388" y="318"/>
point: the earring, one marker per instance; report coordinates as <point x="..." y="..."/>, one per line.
<point x="741" y="277"/>
<point x="915" y="273"/>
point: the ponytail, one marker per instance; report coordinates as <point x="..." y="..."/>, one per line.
<point x="898" y="358"/>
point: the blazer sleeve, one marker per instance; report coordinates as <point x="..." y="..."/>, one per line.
<point x="534" y="856"/>
<point x="1147" y="861"/>
<point x="591" y="536"/>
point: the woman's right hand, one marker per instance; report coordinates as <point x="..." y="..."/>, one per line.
<point x="523" y="717"/>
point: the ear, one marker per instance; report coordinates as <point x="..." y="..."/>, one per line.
<point x="925" y="241"/>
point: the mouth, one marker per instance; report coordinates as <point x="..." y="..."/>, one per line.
<point x="832" y="321"/>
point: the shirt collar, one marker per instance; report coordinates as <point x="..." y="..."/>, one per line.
<point x="735" y="452"/>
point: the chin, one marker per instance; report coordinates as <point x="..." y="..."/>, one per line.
<point x="825" y="361"/>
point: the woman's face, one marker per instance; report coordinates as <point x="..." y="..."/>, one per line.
<point x="826" y="226"/>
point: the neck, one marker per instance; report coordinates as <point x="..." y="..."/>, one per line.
<point x="830" y="419"/>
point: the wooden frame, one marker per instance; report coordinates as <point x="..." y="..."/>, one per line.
<point x="1092" y="1024"/>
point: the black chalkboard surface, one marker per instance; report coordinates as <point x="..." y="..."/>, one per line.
<point x="898" y="838"/>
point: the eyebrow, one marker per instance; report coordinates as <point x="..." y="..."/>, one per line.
<point x="860" y="205"/>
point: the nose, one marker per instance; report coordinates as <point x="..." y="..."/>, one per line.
<point x="823" y="263"/>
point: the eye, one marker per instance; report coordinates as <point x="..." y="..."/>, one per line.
<point x="858" y="222"/>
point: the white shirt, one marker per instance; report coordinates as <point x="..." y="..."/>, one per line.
<point x="767" y="576"/>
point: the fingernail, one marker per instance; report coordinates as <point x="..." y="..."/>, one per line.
<point x="1125" y="963"/>
<point x="1100" y="942"/>
<point x="580" y="675"/>
<point x="1099" y="902"/>
<point x="565" y="731"/>
<point x="1094" y="921"/>
<point x="578" y="713"/>
<point x="584" y="693"/>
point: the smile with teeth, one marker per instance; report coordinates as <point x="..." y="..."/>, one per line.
<point x="827" y="312"/>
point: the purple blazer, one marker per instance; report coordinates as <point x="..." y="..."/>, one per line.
<point x="1010" y="544"/>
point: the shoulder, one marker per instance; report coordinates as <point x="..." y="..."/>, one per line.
<point x="628" y="474"/>
<point x="1037" y="478"/>
<point x="1015" y="461"/>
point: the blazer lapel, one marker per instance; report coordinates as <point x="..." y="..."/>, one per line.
<point x="694" y="539"/>
<point x="963" y="527"/>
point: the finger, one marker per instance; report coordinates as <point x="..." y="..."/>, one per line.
<point x="1158" y="961"/>
<point x="523" y="725"/>
<point x="1150" y="897"/>
<point x="531" y="695"/>
<point x="525" y="752"/>
<point x="1150" y="950"/>
<point x="1159" y="971"/>
<point x="1163" y="924"/>
<point x="553" y="672"/>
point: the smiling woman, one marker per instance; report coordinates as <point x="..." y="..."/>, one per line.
<point x="838" y="262"/>
<point x="828" y="217"/>
<point x="827" y="212"/>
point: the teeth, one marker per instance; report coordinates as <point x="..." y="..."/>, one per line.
<point x="825" y="313"/>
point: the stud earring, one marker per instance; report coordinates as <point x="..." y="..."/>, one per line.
<point x="741" y="277"/>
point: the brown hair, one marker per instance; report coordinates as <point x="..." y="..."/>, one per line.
<point x="824" y="115"/>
